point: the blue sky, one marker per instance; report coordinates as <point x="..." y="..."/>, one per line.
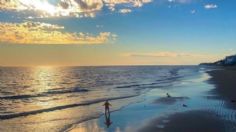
<point x="120" y="32"/>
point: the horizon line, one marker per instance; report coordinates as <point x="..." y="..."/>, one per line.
<point x="99" y="65"/>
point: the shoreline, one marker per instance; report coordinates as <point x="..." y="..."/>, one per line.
<point x="200" y="120"/>
<point x="224" y="81"/>
<point x="179" y="119"/>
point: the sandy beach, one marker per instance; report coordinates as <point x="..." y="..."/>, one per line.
<point x="192" y="107"/>
<point x="192" y="121"/>
<point x="225" y="83"/>
<point x="200" y="121"/>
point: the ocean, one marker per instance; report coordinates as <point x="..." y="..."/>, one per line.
<point x="57" y="98"/>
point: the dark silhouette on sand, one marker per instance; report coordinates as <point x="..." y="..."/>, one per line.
<point x="107" y="107"/>
<point x="107" y="114"/>
<point x="168" y="95"/>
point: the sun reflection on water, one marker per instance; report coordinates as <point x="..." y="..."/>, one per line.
<point x="92" y="126"/>
<point x="45" y="80"/>
<point x="44" y="77"/>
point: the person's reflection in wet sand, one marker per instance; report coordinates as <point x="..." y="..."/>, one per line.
<point x="107" y="114"/>
<point x="107" y="120"/>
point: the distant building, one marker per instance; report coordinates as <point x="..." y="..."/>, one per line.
<point x="228" y="61"/>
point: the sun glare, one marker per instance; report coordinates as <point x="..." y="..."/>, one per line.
<point x="40" y="5"/>
<point x="46" y="7"/>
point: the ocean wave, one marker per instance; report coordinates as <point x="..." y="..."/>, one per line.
<point x="129" y="86"/>
<point x="43" y="94"/>
<point x="157" y="83"/>
<point x="15" y="115"/>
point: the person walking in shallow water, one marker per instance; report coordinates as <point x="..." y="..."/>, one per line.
<point x="107" y="107"/>
<point x="107" y="114"/>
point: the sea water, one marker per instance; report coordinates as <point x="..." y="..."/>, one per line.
<point x="58" y="98"/>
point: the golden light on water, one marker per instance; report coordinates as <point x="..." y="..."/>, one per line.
<point x="88" y="127"/>
<point x="45" y="79"/>
<point x="53" y="97"/>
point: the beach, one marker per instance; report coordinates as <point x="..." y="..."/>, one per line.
<point x="142" y="98"/>
<point x="202" y="121"/>
<point x="117" y="66"/>
<point x="205" y="111"/>
<point x="225" y="83"/>
<point x="191" y="121"/>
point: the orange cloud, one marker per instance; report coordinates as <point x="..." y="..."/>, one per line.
<point x="44" y="33"/>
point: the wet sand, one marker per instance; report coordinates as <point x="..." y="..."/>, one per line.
<point x="192" y="121"/>
<point x="199" y="121"/>
<point x="167" y="114"/>
<point x="225" y="82"/>
<point x="170" y="100"/>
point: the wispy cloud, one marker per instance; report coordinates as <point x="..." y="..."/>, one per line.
<point x="44" y="33"/>
<point x="77" y="8"/>
<point x="210" y="6"/>
<point x="124" y="11"/>
<point x="163" y="54"/>
<point x="170" y="58"/>
<point x="180" y="1"/>
<point x="193" y="11"/>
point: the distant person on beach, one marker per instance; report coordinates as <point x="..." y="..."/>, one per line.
<point x="168" y="95"/>
<point x="107" y="108"/>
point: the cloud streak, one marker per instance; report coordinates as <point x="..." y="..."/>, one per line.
<point x="180" y="1"/>
<point x="169" y="58"/>
<point x="211" y="6"/>
<point x="164" y="54"/>
<point x="125" y="11"/>
<point x="44" y="33"/>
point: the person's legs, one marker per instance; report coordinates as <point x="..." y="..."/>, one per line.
<point x="108" y="110"/>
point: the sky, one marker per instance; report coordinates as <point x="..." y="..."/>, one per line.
<point x="116" y="32"/>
